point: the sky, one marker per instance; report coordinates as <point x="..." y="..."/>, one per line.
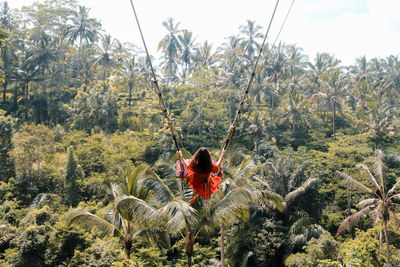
<point x="348" y="29"/>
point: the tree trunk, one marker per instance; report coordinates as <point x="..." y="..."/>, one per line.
<point x="380" y="239"/>
<point x="387" y="243"/>
<point x="333" y="119"/>
<point x="128" y="247"/>
<point x="130" y="95"/>
<point x="189" y="247"/>
<point x="222" y="245"/>
<point x="26" y="87"/>
<point x="4" y="91"/>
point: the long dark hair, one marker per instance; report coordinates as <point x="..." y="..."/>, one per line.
<point x="201" y="161"/>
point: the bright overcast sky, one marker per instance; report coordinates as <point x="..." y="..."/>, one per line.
<point x="346" y="28"/>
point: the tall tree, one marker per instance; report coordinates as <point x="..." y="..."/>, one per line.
<point x="130" y="215"/>
<point x="105" y="50"/>
<point x="186" y="41"/>
<point x="170" y="46"/>
<point x="251" y="33"/>
<point x="6" y="131"/>
<point x="73" y="173"/>
<point x="380" y="206"/>
<point x="83" y="28"/>
<point x="334" y="92"/>
<point x="7" y="23"/>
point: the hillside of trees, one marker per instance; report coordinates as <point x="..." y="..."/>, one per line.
<point x="87" y="175"/>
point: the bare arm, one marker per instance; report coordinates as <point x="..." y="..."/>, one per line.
<point x="182" y="159"/>
<point x="219" y="162"/>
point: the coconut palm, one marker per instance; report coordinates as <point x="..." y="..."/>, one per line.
<point x="232" y="69"/>
<point x="278" y="176"/>
<point x="204" y="57"/>
<point x="334" y="92"/>
<point x="170" y="46"/>
<point x="130" y="214"/>
<point x="186" y="41"/>
<point x="297" y="112"/>
<point x="82" y="27"/>
<point x="7" y="23"/>
<point x="105" y="50"/>
<point x="323" y="62"/>
<point x="232" y="200"/>
<point x="378" y="119"/>
<point x="251" y="32"/>
<point x="380" y="206"/>
<point x="129" y="76"/>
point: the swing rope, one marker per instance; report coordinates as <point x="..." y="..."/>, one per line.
<point x="232" y="128"/>
<point x="161" y="101"/>
<point x="170" y="122"/>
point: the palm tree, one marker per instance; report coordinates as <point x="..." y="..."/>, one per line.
<point x="186" y="41"/>
<point x="231" y="52"/>
<point x="130" y="214"/>
<point x="277" y="175"/>
<point x="105" y="53"/>
<point x="378" y="119"/>
<point x="7" y="25"/>
<point x="335" y="88"/>
<point x="182" y="219"/>
<point x="82" y="27"/>
<point x="129" y="76"/>
<point x="323" y="63"/>
<point x="204" y="57"/>
<point x="232" y="200"/>
<point x="278" y="180"/>
<point x="251" y="33"/>
<point x="380" y="206"/>
<point x="25" y="73"/>
<point x="297" y="112"/>
<point x="170" y="46"/>
<point x="361" y="78"/>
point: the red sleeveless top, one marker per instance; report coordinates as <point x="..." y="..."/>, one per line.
<point x="203" y="183"/>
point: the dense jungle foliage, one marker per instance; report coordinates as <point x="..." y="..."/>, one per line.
<point x="87" y="162"/>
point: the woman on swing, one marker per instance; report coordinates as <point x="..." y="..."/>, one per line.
<point x="202" y="173"/>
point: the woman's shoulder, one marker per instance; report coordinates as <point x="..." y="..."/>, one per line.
<point x="214" y="167"/>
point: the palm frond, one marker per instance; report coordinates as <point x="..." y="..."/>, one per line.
<point x="258" y="179"/>
<point x="367" y="202"/>
<point x="354" y="183"/>
<point x="245" y="169"/>
<point x="39" y="199"/>
<point x="6" y="234"/>
<point x="351" y="220"/>
<point x="153" y="182"/>
<point x="234" y="205"/>
<point x="132" y="179"/>
<point x="272" y="199"/>
<point x="115" y="218"/>
<point x="395" y="217"/>
<point x="88" y="220"/>
<point x="396" y="196"/>
<point x="156" y="234"/>
<point x="394" y="188"/>
<point x="292" y="183"/>
<point x="181" y="216"/>
<point x="299" y="225"/>
<point x="137" y="209"/>
<point x="370" y="176"/>
<point x="292" y="196"/>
